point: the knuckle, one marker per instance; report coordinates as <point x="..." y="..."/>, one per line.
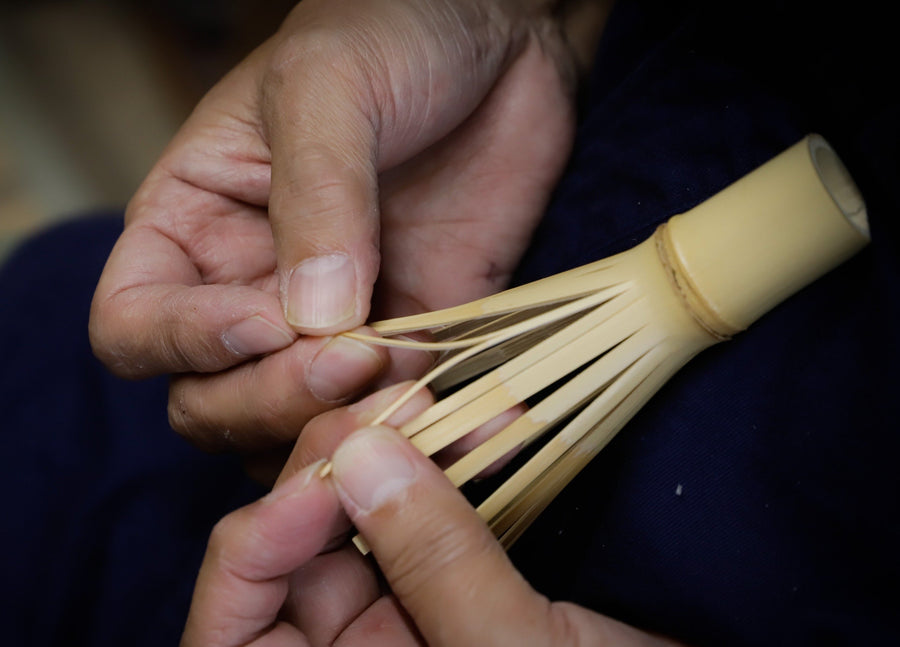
<point x="180" y="341"/>
<point x="240" y="544"/>
<point x="109" y="342"/>
<point x="186" y="417"/>
<point x="551" y="39"/>
<point x="99" y="334"/>
<point x="323" y="189"/>
<point x="269" y="412"/>
<point x="221" y="533"/>
<point x="565" y="627"/>
<point x="314" y="58"/>
<point x="232" y="410"/>
<point x="227" y="538"/>
<point x="316" y="77"/>
<point x="179" y="415"/>
<point x="279" y="416"/>
<point x="134" y="345"/>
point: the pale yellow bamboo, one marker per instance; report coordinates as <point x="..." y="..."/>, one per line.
<point x="483" y="343"/>
<point x="556" y="406"/>
<point x="586" y="436"/>
<point x="497" y="355"/>
<point x="609" y="407"/>
<point x="702" y="277"/>
<point x="554" y="289"/>
<point x="517" y="380"/>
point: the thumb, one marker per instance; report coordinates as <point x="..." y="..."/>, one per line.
<point x="440" y="559"/>
<point x="323" y="205"/>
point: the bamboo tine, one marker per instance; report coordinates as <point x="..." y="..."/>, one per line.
<point x="609" y="334"/>
<point x="500" y="336"/>
<point x="519" y="379"/>
<point x="608" y="407"/>
<point x="559" y="404"/>
<point x="497" y="355"/>
<point x="589" y="438"/>
<point x="510" y="369"/>
<point x="551" y="290"/>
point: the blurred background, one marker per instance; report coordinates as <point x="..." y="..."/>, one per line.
<point x="92" y="90"/>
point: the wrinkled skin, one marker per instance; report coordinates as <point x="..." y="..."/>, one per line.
<point x="371" y="159"/>
<point x="267" y="581"/>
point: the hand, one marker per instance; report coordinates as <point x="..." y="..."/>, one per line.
<point x="265" y="581"/>
<point x="418" y="139"/>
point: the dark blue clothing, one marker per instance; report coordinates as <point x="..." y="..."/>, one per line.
<point x="752" y="502"/>
<point x="106" y="510"/>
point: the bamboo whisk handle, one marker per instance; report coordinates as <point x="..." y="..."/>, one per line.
<point x="766" y="236"/>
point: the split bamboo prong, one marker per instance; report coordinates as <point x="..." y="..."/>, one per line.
<point x="592" y="345"/>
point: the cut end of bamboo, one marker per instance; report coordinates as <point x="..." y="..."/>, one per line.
<point x="771" y="233"/>
<point x="839" y="183"/>
<point x="361" y="545"/>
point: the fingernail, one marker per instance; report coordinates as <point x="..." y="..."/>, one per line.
<point x="321" y="292"/>
<point x="341" y="368"/>
<point x="255" y="336"/>
<point x="372" y="469"/>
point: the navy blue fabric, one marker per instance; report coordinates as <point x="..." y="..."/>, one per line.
<point x="106" y="511"/>
<point x="752" y="502"/>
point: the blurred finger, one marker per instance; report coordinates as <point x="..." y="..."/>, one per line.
<point x="383" y="624"/>
<point x="322" y="610"/>
<point x="243" y="581"/>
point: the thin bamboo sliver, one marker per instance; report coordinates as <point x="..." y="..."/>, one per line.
<point x="609" y="334"/>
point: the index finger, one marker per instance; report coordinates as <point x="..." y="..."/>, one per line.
<point x="155" y="312"/>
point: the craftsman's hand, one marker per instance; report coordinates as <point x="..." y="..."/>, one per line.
<point x="412" y="141"/>
<point x="265" y="581"/>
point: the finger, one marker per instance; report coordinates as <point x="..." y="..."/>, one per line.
<point x="456" y="450"/>
<point x="486" y="170"/>
<point x="439" y="558"/>
<point x="442" y="562"/>
<point x="325" y="432"/>
<point x="321" y="609"/>
<point x="243" y="580"/>
<point x="383" y="624"/>
<point x="324" y="203"/>
<point x="152" y="313"/>
<point x="262" y="404"/>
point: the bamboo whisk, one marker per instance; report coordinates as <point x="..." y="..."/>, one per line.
<point x="609" y="334"/>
